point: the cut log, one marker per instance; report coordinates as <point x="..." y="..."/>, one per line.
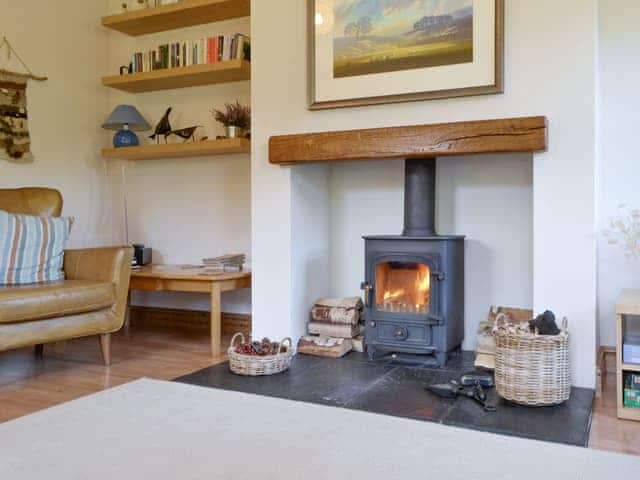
<point x="345" y="311"/>
<point x="335" y="329"/>
<point x="324" y="346"/>
<point x="358" y="344"/>
<point x="486" y="346"/>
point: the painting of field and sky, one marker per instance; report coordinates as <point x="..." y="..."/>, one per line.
<point x="377" y="36"/>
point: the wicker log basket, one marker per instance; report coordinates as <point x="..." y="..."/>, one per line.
<point x="253" y="365"/>
<point x="531" y="369"/>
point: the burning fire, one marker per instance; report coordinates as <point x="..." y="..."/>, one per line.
<point x="393" y="295"/>
<point x="405" y="289"/>
<point x="423" y="285"/>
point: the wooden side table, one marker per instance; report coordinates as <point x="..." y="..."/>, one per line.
<point x="628" y="304"/>
<point x="158" y="278"/>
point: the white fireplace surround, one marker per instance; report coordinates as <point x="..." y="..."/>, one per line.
<point x="487" y="198"/>
<point x="291" y="206"/>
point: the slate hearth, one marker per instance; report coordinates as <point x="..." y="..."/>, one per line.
<point x="354" y="382"/>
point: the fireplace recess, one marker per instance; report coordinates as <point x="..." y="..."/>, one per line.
<point x="414" y="282"/>
<point x="427" y="323"/>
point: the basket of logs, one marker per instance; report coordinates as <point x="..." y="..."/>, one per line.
<point x="532" y="369"/>
<point x="259" y="358"/>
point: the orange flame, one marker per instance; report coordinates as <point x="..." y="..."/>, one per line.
<point x="422" y="285"/>
<point x="405" y="289"/>
<point x="395" y="294"/>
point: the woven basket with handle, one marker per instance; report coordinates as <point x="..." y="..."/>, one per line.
<point x="254" y="365"/>
<point x="532" y="369"/>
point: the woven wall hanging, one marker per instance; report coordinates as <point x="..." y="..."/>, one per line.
<point x="15" y="142"/>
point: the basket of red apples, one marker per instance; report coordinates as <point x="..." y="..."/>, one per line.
<point x="259" y="358"/>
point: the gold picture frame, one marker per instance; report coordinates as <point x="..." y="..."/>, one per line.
<point x="495" y="87"/>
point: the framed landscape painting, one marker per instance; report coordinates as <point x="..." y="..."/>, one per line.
<point x="365" y="52"/>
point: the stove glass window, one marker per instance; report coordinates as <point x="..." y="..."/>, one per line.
<point x="403" y="287"/>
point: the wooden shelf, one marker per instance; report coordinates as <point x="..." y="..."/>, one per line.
<point x="180" y="150"/>
<point x="169" y="17"/>
<point x="505" y="135"/>
<point x="630" y="367"/>
<point x="169" y="78"/>
<point x="627" y="413"/>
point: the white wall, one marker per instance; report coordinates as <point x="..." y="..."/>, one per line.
<point x="310" y="237"/>
<point x="620" y="172"/>
<point x="487" y="198"/>
<point x="185" y="209"/>
<point x="544" y="76"/>
<point x="64" y="41"/>
<point x="191" y="208"/>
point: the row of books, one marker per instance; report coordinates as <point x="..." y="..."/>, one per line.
<point x="184" y="54"/>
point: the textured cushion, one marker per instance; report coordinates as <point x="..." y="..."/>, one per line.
<point x="32" y="248"/>
<point x="55" y="299"/>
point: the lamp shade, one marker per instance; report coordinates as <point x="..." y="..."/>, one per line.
<point x="126" y="115"/>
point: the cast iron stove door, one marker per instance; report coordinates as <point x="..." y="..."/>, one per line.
<point x="402" y="305"/>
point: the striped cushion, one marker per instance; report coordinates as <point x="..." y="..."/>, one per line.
<point x="32" y="248"/>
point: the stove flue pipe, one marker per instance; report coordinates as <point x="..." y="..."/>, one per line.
<point x="420" y="197"/>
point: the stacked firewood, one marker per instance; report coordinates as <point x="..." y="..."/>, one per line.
<point x="335" y="327"/>
<point x="486" y="345"/>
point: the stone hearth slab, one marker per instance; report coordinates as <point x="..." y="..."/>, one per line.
<point x="355" y="383"/>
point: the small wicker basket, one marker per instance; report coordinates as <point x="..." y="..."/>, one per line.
<point x="531" y="369"/>
<point x="253" y="365"/>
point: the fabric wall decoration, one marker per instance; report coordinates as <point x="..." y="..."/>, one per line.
<point x="15" y="143"/>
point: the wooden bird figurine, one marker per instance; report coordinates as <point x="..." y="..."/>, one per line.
<point x="163" y="128"/>
<point x="187" y="133"/>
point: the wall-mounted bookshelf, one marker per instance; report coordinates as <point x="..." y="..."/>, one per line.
<point x="170" y="78"/>
<point x="170" y="17"/>
<point x="186" y="13"/>
<point x="180" y="150"/>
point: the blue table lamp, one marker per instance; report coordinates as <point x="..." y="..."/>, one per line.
<point x="126" y="119"/>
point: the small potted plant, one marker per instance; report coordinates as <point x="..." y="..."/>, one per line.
<point x="235" y="117"/>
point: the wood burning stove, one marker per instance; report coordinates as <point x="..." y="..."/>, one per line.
<point x="414" y="282"/>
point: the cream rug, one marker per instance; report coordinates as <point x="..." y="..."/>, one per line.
<point x="162" y="430"/>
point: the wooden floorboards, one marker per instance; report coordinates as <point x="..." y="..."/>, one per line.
<point x="74" y="369"/>
<point x="607" y="431"/>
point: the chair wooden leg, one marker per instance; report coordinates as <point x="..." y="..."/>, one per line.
<point x="39" y="350"/>
<point x="105" y="348"/>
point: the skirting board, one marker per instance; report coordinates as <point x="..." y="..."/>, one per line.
<point x="168" y="317"/>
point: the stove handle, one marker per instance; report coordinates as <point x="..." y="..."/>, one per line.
<point x="438" y="275"/>
<point x="366" y="286"/>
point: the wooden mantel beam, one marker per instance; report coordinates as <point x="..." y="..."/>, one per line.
<point x="508" y="135"/>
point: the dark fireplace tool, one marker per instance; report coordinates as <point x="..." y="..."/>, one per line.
<point x="472" y="385"/>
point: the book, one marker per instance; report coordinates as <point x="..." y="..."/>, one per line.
<point x="243" y="42"/>
<point x="229" y="259"/>
<point x="226" y="263"/>
<point x="335" y="330"/>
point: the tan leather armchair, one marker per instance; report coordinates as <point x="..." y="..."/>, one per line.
<point x="92" y="300"/>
